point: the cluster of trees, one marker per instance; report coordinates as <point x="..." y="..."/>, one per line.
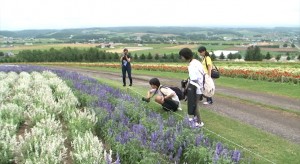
<point x="253" y="54"/>
<point x="69" y="54"/>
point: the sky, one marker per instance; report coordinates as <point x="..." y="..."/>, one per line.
<point x="62" y="14"/>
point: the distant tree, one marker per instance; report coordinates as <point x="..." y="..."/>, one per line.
<point x="268" y="56"/>
<point x="1" y="53"/>
<point x="165" y="57"/>
<point x="298" y="57"/>
<point x="230" y="56"/>
<point x="156" y="57"/>
<point x="149" y="57"/>
<point x="222" y="56"/>
<point x="135" y="57"/>
<point x="109" y="57"/>
<point x="278" y="57"/>
<point x="116" y="56"/>
<point x="213" y="56"/>
<point x="293" y="45"/>
<point x="143" y="57"/>
<point x="288" y="56"/>
<point x="285" y="45"/>
<point x="172" y="56"/>
<point x="238" y="56"/>
<point x="253" y="54"/>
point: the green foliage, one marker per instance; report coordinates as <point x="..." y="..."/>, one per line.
<point x="278" y="57"/>
<point x="199" y="155"/>
<point x="222" y="56"/>
<point x="142" y="57"/>
<point x="253" y="54"/>
<point x="156" y="57"/>
<point x="268" y="56"/>
<point x="84" y="99"/>
<point x="149" y="57"/>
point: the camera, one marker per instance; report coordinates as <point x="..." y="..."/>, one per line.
<point x="184" y="83"/>
<point x="146" y="99"/>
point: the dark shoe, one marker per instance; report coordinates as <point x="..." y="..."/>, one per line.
<point x="130" y="85"/>
<point x="124" y="85"/>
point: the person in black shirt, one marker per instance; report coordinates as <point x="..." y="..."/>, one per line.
<point x="125" y="59"/>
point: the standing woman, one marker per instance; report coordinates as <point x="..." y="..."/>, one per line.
<point x="195" y="85"/>
<point x="126" y="66"/>
<point x="207" y="65"/>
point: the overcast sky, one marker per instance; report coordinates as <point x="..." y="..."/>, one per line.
<point x="61" y="14"/>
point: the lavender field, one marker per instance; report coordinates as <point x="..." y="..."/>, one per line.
<point x="129" y="132"/>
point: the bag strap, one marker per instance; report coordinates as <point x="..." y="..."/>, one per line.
<point x="161" y="91"/>
<point x="206" y="63"/>
<point x="212" y="63"/>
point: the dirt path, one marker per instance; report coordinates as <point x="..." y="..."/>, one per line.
<point x="231" y="103"/>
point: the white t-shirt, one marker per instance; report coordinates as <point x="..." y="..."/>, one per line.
<point x="166" y="91"/>
<point x="196" y="73"/>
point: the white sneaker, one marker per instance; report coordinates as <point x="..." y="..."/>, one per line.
<point x="199" y="125"/>
<point x="206" y="103"/>
<point x="193" y="119"/>
<point x="179" y="109"/>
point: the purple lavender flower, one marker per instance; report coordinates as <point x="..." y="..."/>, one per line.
<point x="219" y="148"/>
<point x="178" y="154"/>
<point x="199" y="139"/>
<point x="118" y="161"/>
<point x="236" y="156"/>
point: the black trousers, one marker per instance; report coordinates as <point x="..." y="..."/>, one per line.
<point x="170" y="105"/>
<point x="192" y="99"/>
<point x="127" y="69"/>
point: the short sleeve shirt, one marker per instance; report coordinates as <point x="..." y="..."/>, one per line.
<point x="209" y="62"/>
<point x="196" y="73"/>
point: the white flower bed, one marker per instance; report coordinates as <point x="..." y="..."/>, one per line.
<point x="39" y="99"/>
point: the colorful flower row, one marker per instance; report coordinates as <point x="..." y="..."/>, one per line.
<point x="291" y="75"/>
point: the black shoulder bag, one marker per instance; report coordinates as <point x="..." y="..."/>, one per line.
<point x="214" y="71"/>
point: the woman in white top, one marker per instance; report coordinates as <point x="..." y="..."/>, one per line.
<point x="195" y="85"/>
<point x="165" y="95"/>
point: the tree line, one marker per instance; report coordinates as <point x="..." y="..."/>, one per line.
<point x="68" y="54"/>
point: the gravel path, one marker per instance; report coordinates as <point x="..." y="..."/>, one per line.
<point x="231" y="103"/>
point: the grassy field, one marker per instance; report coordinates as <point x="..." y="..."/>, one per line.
<point x="261" y="146"/>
